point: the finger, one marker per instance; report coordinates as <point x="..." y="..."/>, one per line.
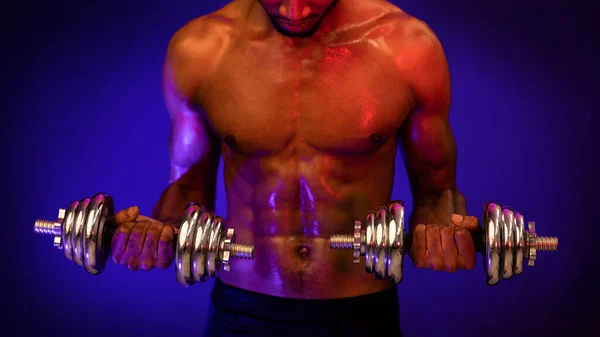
<point x="466" y="248"/>
<point x="418" y="248"/>
<point x="149" y="255"/>
<point x="434" y="247"/>
<point x="127" y="215"/>
<point x="449" y="247"/>
<point x="165" y="247"/>
<point x="119" y="242"/>
<point x="135" y="244"/>
<point x="174" y="224"/>
<point x="467" y="221"/>
<point x="146" y="218"/>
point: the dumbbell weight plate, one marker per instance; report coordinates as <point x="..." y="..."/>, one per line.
<point x="396" y="239"/>
<point x="370" y="253"/>
<point x="492" y="226"/>
<point x="100" y="209"/>
<point x="67" y="230"/>
<point x="508" y="242"/>
<point x="216" y="233"/>
<point x="382" y="248"/>
<point x="185" y="242"/>
<point x="201" y="243"/>
<point x="78" y="231"/>
<point x="519" y="242"/>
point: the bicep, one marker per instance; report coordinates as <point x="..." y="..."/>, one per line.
<point x="429" y="152"/>
<point x="427" y="139"/>
<point x="193" y="146"/>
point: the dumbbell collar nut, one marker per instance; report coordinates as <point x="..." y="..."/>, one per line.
<point x="531" y="241"/>
<point x="358" y="245"/>
<point x="226" y="247"/>
<point x="54" y="228"/>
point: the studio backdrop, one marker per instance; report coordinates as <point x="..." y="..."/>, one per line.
<point x="84" y="113"/>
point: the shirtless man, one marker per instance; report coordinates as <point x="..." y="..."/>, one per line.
<point x="307" y="102"/>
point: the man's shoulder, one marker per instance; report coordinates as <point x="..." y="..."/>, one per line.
<point x="193" y="52"/>
<point x="201" y="35"/>
<point x="195" y="49"/>
<point x="417" y="53"/>
<point x="404" y="30"/>
<point x="410" y="41"/>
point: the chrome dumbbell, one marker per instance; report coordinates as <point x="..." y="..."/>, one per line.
<point x="84" y="232"/>
<point x="503" y="241"/>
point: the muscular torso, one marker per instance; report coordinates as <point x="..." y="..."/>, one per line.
<point x="308" y="139"/>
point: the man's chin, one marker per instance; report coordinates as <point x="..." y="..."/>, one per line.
<point x="295" y="32"/>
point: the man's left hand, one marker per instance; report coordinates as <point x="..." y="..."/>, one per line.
<point x="446" y="247"/>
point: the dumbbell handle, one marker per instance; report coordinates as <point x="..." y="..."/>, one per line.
<point x="53" y="228"/>
<point x="237" y="250"/>
<point x="541" y="243"/>
<point x="346" y="242"/>
<point x="110" y="230"/>
<point x="478" y="239"/>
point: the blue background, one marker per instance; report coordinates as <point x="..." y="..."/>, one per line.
<point x="84" y="113"/>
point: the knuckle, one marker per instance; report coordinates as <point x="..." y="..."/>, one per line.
<point x="436" y="262"/>
<point x="419" y="236"/>
<point x="420" y="263"/>
<point x="133" y="263"/>
<point x="147" y="265"/>
<point x="461" y="232"/>
<point x="451" y="266"/>
<point x="447" y="231"/>
<point x="446" y="228"/>
<point x="138" y="230"/>
<point x="123" y="230"/>
<point x="437" y="265"/>
<point x="167" y="235"/>
<point x="169" y="230"/>
<point x="155" y="229"/>
<point x="430" y="229"/>
<point x="152" y="237"/>
<point x="123" y="259"/>
<point x="134" y="242"/>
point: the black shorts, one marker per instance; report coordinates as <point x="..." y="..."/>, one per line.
<point x="238" y="312"/>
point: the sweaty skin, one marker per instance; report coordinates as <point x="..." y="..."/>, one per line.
<point x="308" y="129"/>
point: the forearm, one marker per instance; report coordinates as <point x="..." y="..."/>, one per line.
<point x="172" y="202"/>
<point x="437" y="207"/>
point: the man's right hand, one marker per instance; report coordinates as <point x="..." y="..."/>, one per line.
<point x="141" y="242"/>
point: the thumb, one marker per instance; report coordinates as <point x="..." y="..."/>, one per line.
<point x="127" y="215"/>
<point x="469" y="222"/>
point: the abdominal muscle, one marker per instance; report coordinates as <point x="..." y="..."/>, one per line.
<point x="289" y="217"/>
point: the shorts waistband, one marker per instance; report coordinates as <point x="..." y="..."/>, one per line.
<point x="248" y="303"/>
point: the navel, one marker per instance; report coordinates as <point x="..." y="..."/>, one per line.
<point x="376" y="138"/>
<point x="303" y="251"/>
<point x="230" y="139"/>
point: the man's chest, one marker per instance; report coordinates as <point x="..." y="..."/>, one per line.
<point x="345" y="98"/>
